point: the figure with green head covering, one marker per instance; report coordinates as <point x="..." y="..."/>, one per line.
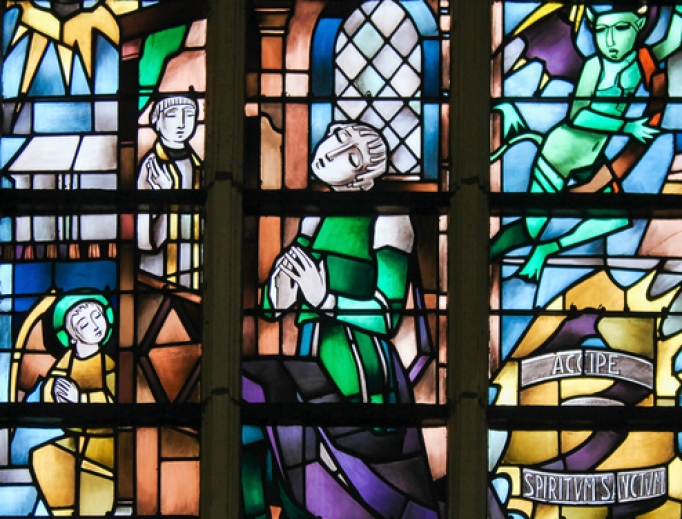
<point x="572" y="155"/>
<point x="83" y="322"/>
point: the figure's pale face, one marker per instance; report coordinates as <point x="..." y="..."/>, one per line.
<point x="90" y="325"/>
<point x="340" y="157"/>
<point x="616" y="34"/>
<point x="176" y="125"/>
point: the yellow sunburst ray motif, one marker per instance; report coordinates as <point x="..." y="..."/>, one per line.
<point x="20" y="31"/>
<point x="66" y="59"/>
<point x="80" y="30"/>
<point x="36" y="50"/>
<point x="75" y="35"/>
<point x="537" y="15"/>
<point x="577" y="14"/>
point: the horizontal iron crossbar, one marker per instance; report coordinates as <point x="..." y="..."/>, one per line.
<point x="375" y="415"/>
<point x="529" y="418"/>
<point x="99" y="415"/>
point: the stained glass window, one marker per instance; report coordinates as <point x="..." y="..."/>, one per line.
<point x="101" y="257"/>
<point x="585" y="299"/>
<point x="345" y="260"/>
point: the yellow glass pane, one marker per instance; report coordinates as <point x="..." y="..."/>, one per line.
<point x="642" y="449"/>
<point x="529" y="447"/>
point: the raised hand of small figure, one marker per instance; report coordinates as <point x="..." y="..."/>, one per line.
<point x="65" y="390"/>
<point x="311" y="277"/>
<point x="283" y="289"/>
<point x="158" y="175"/>
<point x="511" y="118"/>
<point x="640" y="130"/>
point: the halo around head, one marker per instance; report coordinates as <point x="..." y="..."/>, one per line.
<point x="69" y="301"/>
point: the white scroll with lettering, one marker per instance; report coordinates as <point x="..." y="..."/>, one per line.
<point x="598" y="488"/>
<point x="587" y="363"/>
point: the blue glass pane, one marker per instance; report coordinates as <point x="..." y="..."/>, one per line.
<point x="5" y="331"/>
<point x="650" y="173"/>
<point x="79" y="81"/>
<point x="542" y="117"/>
<point x="515" y="12"/>
<point x="320" y="117"/>
<point x="517" y="166"/>
<point x="100" y="275"/>
<point x="31" y="279"/>
<point x="516" y="292"/>
<point x="661" y="26"/>
<point x="26" y="439"/>
<point x="431" y="140"/>
<point x="626" y="278"/>
<point x="556" y="280"/>
<point x="106" y="69"/>
<point x="9" y="146"/>
<point x="525" y="81"/>
<point x="13" y="68"/>
<point x="9" y="24"/>
<point x="251" y="434"/>
<point x="432" y="67"/>
<point x="48" y="80"/>
<point x="422" y="16"/>
<point x="18" y="500"/>
<point x="323" y="54"/>
<point x="63" y="117"/>
<point x="626" y="242"/>
<point x="513" y="327"/>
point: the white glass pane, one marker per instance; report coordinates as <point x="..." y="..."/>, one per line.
<point x="387" y="17"/>
<point x="97" y="152"/>
<point x="368" y="40"/>
<point x="387" y="61"/>
<point x="98" y="227"/>
<point x="44" y="228"/>
<point x="405" y="38"/>
<point x="350" y="61"/>
<point x="406" y="82"/>
<point x="47" y="153"/>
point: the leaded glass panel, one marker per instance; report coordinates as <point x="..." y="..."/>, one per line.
<point x="585" y="283"/>
<point x="101" y="257"/>
<point x="345" y="260"/>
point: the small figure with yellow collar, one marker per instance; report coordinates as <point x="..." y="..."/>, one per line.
<point x="169" y="243"/>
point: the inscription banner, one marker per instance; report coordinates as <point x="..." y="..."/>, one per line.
<point x="587" y="363"/>
<point x="600" y="488"/>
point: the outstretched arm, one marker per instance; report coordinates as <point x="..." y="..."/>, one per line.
<point x="583" y="114"/>
<point x="512" y="120"/>
<point x="589" y="119"/>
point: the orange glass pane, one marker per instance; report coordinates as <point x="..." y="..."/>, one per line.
<point x="271" y="52"/>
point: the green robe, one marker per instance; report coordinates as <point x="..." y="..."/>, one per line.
<point x="370" y="286"/>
